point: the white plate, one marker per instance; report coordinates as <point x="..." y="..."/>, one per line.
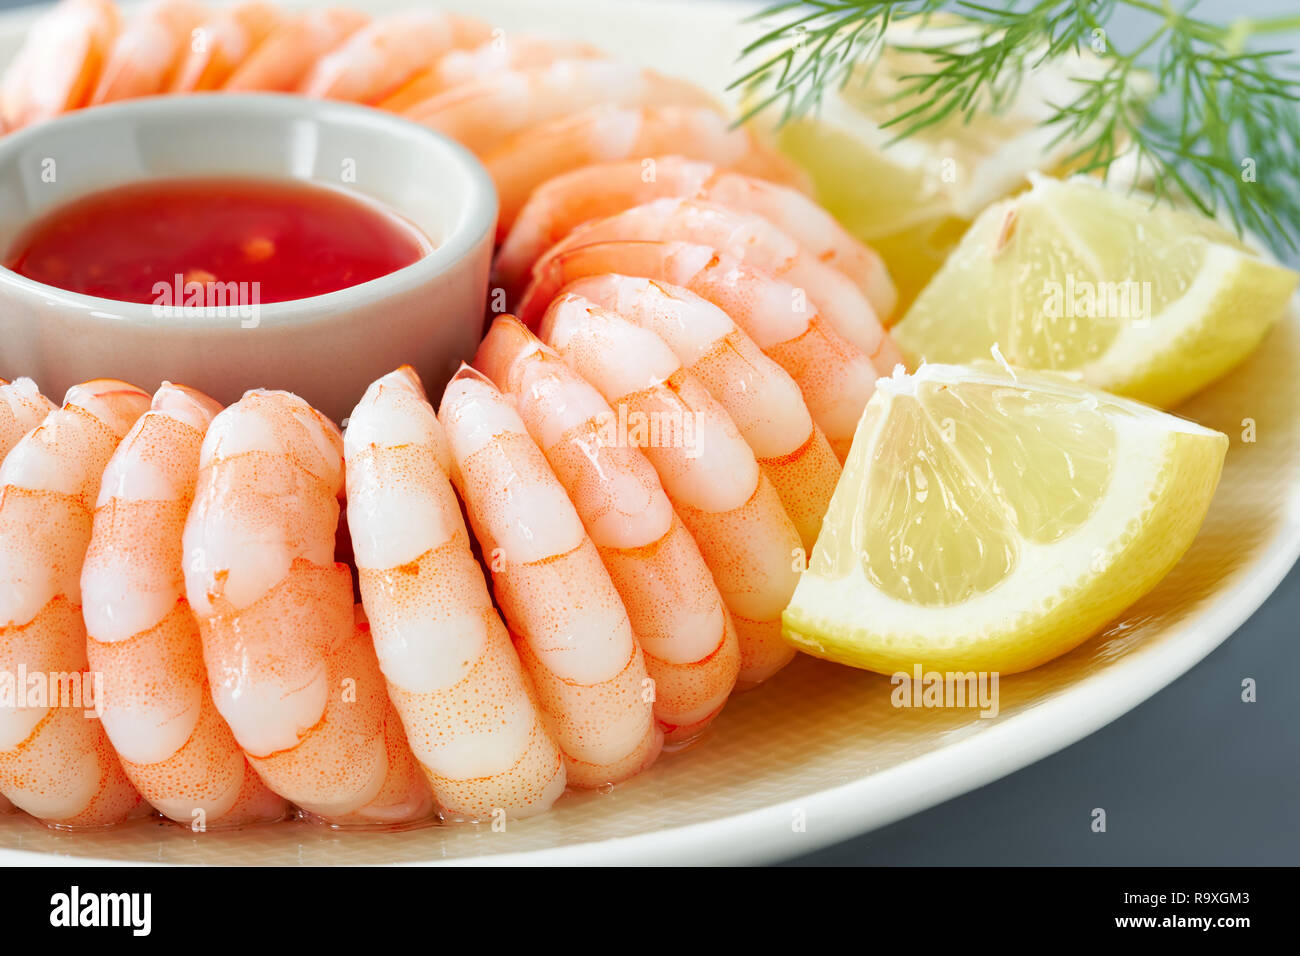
<point x="819" y="754"/>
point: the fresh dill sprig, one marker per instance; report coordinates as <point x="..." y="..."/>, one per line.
<point x="1223" y="132"/>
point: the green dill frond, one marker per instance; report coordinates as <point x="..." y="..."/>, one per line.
<point x="1222" y="133"/>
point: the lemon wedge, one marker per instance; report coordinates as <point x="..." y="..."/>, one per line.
<point x="991" y="519"/>
<point x="1146" y="301"/>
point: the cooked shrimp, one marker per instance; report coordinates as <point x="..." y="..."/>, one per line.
<point x="483" y="62"/>
<point x="451" y="669"/>
<point x="148" y="50"/>
<point x="482" y="115"/>
<point x="379" y="58"/>
<point x="22" y="408"/>
<point x="749" y="239"/>
<point x="760" y="397"/>
<point x="560" y="205"/>
<point x="708" y="471"/>
<point x="836" y="378"/>
<point x="59" y="62"/>
<point x="292" y="668"/>
<point x="55" y="762"/>
<point x="676" y="612"/>
<point x="219" y="45"/>
<point x="143" y="638"/>
<point x="286" y="56"/>
<point x="604" y="133"/>
<point x="577" y="642"/>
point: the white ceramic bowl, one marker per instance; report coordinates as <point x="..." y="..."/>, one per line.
<point x="327" y="348"/>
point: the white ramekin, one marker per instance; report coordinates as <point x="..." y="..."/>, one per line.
<point x="326" y="348"/>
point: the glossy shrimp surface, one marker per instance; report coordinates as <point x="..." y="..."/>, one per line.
<point x="222" y="42"/>
<point x="605" y="133"/>
<point x="55" y="759"/>
<point x="751" y="240"/>
<point x="676" y="612"/>
<point x="143" y="639"/>
<point x="292" y="667"/>
<point x="481" y="114"/>
<point x="836" y="378"/>
<point x="761" y="398"/>
<point x="22" y="408"/>
<point x="709" y="472"/>
<point x="377" y="59"/>
<point x="59" y="63"/>
<point x="290" y="51"/>
<point x="577" y="642"/>
<point x="148" y="50"/>
<point x="504" y="52"/>
<point x="589" y="193"/>
<point x="452" y="672"/>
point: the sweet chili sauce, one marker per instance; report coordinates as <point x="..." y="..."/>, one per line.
<point x="293" y="239"/>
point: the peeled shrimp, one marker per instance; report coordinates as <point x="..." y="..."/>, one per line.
<point x="577" y="642"/>
<point x="222" y="43"/>
<point x="148" y="50"/>
<point x="481" y="115"/>
<point x="836" y="378"/>
<point x="55" y="760"/>
<point x="286" y="56"/>
<point x="451" y="670"/>
<point x="563" y="203"/>
<point x="605" y="133"/>
<point x="59" y="63"/>
<point x="483" y="62"/>
<point x="22" y="408"/>
<point x="379" y="58"/>
<point x="674" y="606"/>
<point x="291" y="664"/>
<point x="760" y="397"/>
<point x="710" y="474"/>
<point x="751" y="240"/>
<point x="143" y="638"/>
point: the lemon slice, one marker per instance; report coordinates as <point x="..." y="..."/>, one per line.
<point x="911" y="200"/>
<point x="1146" y="301"/>
<point x="990" y="519"/>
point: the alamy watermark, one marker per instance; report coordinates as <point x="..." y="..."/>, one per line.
<point x="77" y="908"/>
<point x="935" y="689"/>
<point x="633" y="428"/>
<point x="1128" y="300"/>
<point x="217" y="300"/>
<point x="79" y="690"/>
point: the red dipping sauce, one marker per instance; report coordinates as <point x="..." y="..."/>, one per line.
<point x="292" y="239"/>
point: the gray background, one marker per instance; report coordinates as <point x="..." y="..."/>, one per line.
<point x="1193" y="776"/>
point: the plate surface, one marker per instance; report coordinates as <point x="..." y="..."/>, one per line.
<point x="819" y="754"/>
